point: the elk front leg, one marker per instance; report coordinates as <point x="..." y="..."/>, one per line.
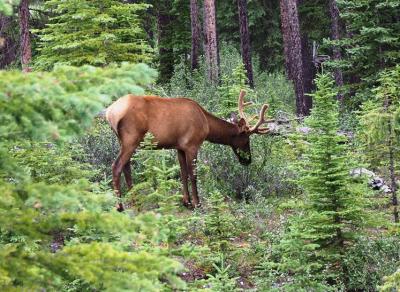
<point x="184" y="178"/>
<point x="191" y="157"/>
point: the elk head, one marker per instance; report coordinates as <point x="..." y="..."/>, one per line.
<point x="241" y="142"/>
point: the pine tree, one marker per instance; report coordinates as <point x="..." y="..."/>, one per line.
<point x="92" y="32"/>
<point x="333" y="210"/>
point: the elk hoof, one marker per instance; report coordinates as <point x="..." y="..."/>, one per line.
<point x="188" y="205"/>
<point x="198" y="205"/>
<point x="120" y="207"/>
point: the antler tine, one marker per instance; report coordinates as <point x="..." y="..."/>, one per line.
<point x="261" y="121"/>
<point x="242" y="104"/>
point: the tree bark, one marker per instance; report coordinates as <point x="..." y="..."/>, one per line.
<point x="210" y="41"/>
<point x="166" y="53"/>
<point x="196" y="33"/>
<point x="393" y="185"/>
<point x="336" y="53"/>
<point x="293" y="52"/>
<point x="392" y="174"/>
<point x="286" y="38"/>
<point x="8" y="47"/>
<point x="245" y="40"/>
<point x="26" y="53"/>
<point x="309" y="72"/>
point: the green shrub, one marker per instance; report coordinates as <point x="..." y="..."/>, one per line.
<point x="370" y="260"/>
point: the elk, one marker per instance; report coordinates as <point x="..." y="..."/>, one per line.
<point x="181" y="124"/>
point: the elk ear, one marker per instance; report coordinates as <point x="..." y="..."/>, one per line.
<point x="242" y="125"/>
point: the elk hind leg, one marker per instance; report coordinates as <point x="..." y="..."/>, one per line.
<point x="128" y="175"/>
<point x="184" y="178"/>
<point x="124" y="156"/>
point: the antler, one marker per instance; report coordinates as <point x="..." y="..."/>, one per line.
<point x="242" y="104"/>
<point x="261" y="118"/>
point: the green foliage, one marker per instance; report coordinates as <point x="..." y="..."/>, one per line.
<point x="6" y="6"/>
<point x="58" y="230"/>
<point x="100" y="147"/>
<point x="380" y="121"/>
<point x="392" y="282"/>
<point x="62" y="101"/>
<point x="264" y="28"/>
<point x="51" y="163"/>
<point x="219" y="222"/>
<point x="371" y="42"/>
<point x="335" y="205"/>
<point x="157" y="178"/>
<point x="369" y="260"/>
<point x="229" y="90"/>
<point x="80" y="33"/>
<point x="222" y="281"/>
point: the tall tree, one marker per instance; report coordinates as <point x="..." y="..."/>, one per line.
<point x="8" y="46"/>
<point x="26" y="53"/>
<point x="245" y="40"/>
<point x="165" y="51"/>
<point x="211" y="41"/>
<point x="336" y="51"/>
<point x="293" y="52"/>
<point x="196" y="33"/>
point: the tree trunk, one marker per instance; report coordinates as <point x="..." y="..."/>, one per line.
<point x="210" y="41"/>
<point x="286" y="38"/>
<point x="26" y="54"/>
<point x="393" y="185"/>
<point x="309" y="72"/>
<point x="293" y="52"/>
<point x="245" y="40"/>
<point x="196" y="31"/>
<point x="166" y="53"/>
<point x="8" y="46"/>
<point x="391" y="148"/>
<point x="336" y="53"/>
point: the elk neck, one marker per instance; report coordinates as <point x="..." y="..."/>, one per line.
<point x="220" y="131"/>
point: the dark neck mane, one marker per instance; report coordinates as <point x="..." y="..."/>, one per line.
<point x="220" y="131"/>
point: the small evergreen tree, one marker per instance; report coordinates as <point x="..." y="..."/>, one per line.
<point x="230" y="88"/>
<point x="333" y="210"/>
<point x="92" y="32"/>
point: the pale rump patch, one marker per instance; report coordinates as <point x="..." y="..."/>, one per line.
<point x="117" y="110"/>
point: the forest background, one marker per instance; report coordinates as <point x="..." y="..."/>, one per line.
<point x="310" y="212"/>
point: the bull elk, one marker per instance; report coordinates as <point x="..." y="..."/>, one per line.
<point x="181" y="124"/>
